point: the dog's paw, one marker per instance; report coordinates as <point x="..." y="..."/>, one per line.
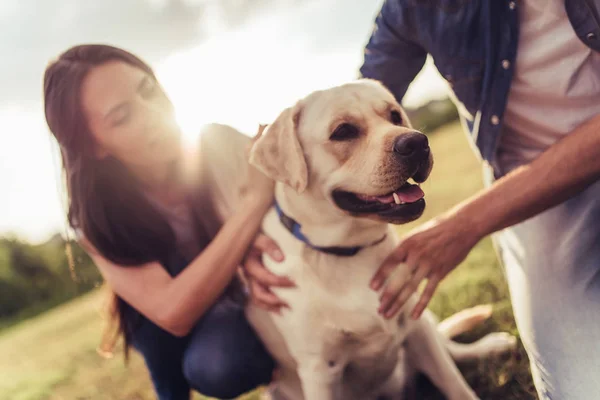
<point x="499" y="343"/>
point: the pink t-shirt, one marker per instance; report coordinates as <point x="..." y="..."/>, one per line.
<point x="556" y="85"/>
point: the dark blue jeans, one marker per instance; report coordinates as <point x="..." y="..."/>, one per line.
<point x="222" y="357"/>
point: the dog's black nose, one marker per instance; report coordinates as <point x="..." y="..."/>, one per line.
<point x="411" y="144"/>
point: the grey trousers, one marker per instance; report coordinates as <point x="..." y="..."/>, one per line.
<point x="552" y="265"/>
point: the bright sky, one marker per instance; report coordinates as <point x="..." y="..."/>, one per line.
<point x="241" y="77"/>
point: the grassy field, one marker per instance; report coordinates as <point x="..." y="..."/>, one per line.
<point x="53" y="355"/>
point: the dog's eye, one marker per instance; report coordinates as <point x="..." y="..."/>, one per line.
<point x="345" y="132"/>
<point x="396" y="117"/>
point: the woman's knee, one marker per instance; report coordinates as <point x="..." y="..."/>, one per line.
<point x="221" y="376"/>
<point x="209" y="377"/>
<point x="225" y="358"/>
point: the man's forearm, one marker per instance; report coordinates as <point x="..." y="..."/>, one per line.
<point x="562" y="171"/>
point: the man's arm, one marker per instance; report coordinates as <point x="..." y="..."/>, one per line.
<point x="433" y="250"/>
<point x="559" y="173"/>
<point x="391" y="56"/>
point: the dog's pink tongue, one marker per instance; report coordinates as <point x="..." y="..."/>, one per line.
<point x="410" y="193"/>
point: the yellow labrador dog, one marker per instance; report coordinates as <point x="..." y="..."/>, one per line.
<point x="348" y="163"/>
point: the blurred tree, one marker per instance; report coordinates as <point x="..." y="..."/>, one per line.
<point x="433" y="115"/>
<point x="34" y="278"/>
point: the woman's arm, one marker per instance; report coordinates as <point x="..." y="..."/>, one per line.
<point x="176" y="304"/>
<point x="436" y="248"/>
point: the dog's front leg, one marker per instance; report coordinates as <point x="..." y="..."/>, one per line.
<point x="320" y="378"/>
<point x="426" y="351"/>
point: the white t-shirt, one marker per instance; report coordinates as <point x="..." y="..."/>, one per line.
<point x="556" y="84"/>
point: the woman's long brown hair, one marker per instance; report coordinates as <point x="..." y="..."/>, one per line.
<point x="104" y="204"/>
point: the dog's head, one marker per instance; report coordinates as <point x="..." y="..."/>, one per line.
<point x="352" y="145"/>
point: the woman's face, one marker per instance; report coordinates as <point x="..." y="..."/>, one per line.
<point x="130" y="116"/>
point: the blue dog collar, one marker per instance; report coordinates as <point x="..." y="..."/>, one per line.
<point x="295" y="229"/>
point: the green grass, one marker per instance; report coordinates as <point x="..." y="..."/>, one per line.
<point x="52" y="356"/>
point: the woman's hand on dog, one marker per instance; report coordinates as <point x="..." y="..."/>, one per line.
<point x="260" y="278"/>
<point x="429" y="252"/>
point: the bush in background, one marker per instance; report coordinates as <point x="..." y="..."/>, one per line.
<point x="34" y="278"/>
<point x="433" y="115"/>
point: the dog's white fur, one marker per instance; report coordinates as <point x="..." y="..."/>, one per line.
<point x="332" y="343"/>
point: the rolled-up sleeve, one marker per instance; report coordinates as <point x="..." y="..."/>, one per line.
<point x="391" y="56"/>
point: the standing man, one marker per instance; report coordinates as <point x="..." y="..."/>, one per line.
<point x="526" y="77"/>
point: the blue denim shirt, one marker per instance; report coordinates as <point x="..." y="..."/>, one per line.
<point x="473" y="44"/>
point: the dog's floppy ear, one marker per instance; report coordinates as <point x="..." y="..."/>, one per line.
<point x="277" y="152"/>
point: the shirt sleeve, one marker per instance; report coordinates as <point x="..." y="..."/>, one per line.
<point x="391" y="56"/>
<point x="225" y="166"/>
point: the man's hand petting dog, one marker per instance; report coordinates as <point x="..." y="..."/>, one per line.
<point x="261" y="279"/>
<point x="430" y="252"/>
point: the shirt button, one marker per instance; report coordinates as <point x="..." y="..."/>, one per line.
<point x="495" y="120"/>
<point x="505" y="64"/>
<point x="512" y="5"/>
<point x="591" y="36"/>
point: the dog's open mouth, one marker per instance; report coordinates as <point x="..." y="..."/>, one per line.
<point x="407" y="193"/>
<point x="402" y="205"/>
